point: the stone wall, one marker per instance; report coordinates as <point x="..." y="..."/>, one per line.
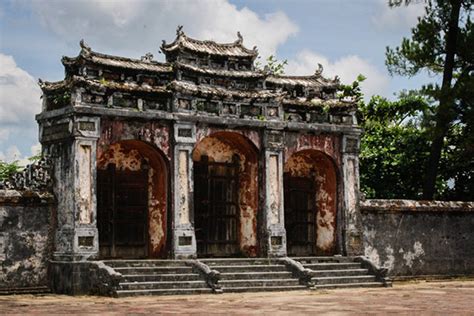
<point x="25" y="238"/>
<point x="416" y="238"/>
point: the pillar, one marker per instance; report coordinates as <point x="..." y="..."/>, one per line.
<point x="72" y="144"/>
<point x="352" y="227"/>
<point x="274" y="234"/>
<point x="184" y="238"/>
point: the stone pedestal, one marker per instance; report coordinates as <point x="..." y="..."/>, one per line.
<point x="274" y="234"/>
<point x="184" y="238"/>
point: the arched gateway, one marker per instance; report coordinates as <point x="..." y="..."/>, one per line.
<point x="203" y="155"/>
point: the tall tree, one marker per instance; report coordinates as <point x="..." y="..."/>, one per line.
<point x="442" y="43"/>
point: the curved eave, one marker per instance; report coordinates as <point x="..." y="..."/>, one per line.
<point x="117" y="62"/>
<point x="206" y="90"/>
<point x="317" y="82"/>
<point x="96" y="84"/>
<point x="221" y="73"/>
<point x="235" y="49"/>
<point x="48" y="86"/>
<point x="333" y="104"/>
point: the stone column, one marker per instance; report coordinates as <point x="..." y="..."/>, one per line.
<point x="274" y="234"/>
<point x="71" y="142"/>
<point x="352" y="229"/>
<point x="184" y="238"/>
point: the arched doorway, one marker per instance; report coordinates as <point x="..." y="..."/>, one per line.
<point x="225" y="195"/>
<point x="310" y="186"/>
<point x="132" y="181"/>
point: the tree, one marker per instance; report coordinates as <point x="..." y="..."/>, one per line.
<point x="394" y="146"/>
<point x="442" y="43"/>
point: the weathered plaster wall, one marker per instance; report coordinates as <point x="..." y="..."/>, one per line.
<point x="26" y="238"/>
<point x="129" y="155"/>
<point x="311" y="163"/>
<point x="153" y="133"/>
<point x="221" y="146"/>
<point x="326" y="143"/>
<point x="413" y="238"/>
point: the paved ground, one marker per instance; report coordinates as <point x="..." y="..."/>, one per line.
<point x="451" y="297"/>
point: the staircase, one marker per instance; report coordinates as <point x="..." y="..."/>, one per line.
<point x="157" y="277"/>
<point x="338" y="272"/>
<point x="167" y="277"/>
<point x="253" y="275"/>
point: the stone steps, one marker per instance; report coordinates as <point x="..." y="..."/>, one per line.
<point x="347" y="285"/>
<point x="147" y="285"/>
<point x="176" y="291"/>
<point x="344" y="279"/>
<point x="167" y="277"/>
<point x="336" y="273"/>
<point x="253" y="275"/>
<point x="332" y="266"/>
<point x="161" y="277"/>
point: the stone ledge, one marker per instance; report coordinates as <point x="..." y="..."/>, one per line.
<point x="8" y="197"/>
<point x="380" y="205"/>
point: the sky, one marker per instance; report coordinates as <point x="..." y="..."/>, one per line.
<point x="348" y="37"/>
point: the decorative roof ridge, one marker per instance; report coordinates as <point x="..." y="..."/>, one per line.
<point x="318" y="75"/>
<point x="181" y="38"/>
<point x="86" y="53"/>
<point x="190" y="85"/>
<point x="226" y="72"/>
<point x="53" y="85"/>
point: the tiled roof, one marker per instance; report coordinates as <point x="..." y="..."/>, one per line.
<point x="220" y="72"/>
<point x="144" y="64"/>
<point x="315" y="81"/>
<point x="235" y="49"/>
<point x="206" y="90"/>
<point x="99" y="84"/>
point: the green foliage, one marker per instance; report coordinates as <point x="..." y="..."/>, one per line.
<point x="353" y="90"/>
<point x="272" y="65"/>
<point x="8" y="168"/>
<point x="61" y="99"/>
<point x="442" y="44"/>
<point x="394" y="147"/>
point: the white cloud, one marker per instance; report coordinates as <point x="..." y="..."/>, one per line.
<point x="19" y="93"/>
<point x="19" y="102"/>
<point x="401" y="17"/>
<point x="347" y="68"/>
<point x="139" y="26"/>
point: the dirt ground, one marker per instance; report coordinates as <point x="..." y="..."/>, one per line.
<point x="413" y="298"/>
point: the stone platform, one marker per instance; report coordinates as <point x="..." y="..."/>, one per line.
<point x="223" y="275"/>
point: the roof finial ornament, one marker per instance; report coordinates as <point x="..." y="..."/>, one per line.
<point x="84" y="47"/>
<point x="240" y="39"/>
<point x="179" y="31"/>
<point x="148" y="58"/>
<point x="319" y="71"/>
<point x="337" y="79"/>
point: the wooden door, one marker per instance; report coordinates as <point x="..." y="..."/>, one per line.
<point x="300" y="215"/>
<point x="122" y="212"/>
<point x="216" y="208"/>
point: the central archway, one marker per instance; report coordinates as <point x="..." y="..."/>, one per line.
<point x="132" y="182"/>
<point x="225" y="195"/>
<point x="310" y="186"/>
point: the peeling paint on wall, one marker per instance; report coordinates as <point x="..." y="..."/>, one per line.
<point x="183" y="183"/>
<point x="317" y="165"/>
<point x="129" y="155"/>
<point x="221" y="146"/>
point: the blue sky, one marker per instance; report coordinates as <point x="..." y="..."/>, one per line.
<point x="347" y="36"/>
